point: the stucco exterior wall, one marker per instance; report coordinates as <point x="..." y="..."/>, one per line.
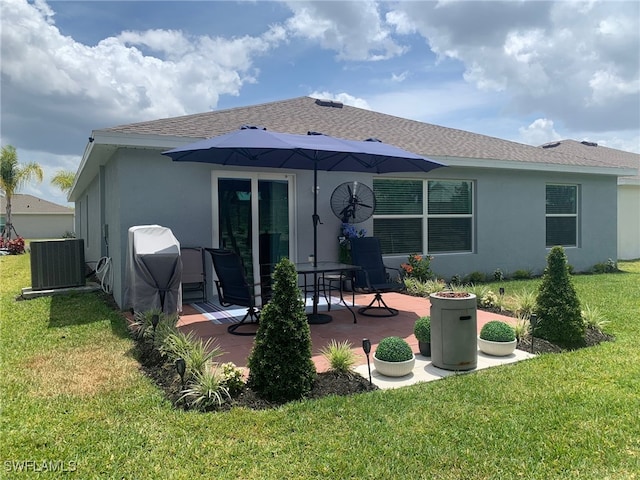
<point x="146" y="188"/>
<point x="42" y="225"/>
<point x="90" y="220"/>
<point x="510" y="222"/>
<point x="628" y="222"/>
<point x="143" y="187"/>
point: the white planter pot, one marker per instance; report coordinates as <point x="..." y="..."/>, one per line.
<point x="497" y="349"/>
<point x="394" y="369"/>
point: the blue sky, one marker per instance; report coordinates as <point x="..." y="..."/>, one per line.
<point x="527" y="71"/>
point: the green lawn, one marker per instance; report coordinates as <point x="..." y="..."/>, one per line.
<point x="71" y="393"/>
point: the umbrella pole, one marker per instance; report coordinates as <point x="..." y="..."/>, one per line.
<point x="315" y="317"/>
<point x="316" y="218"/>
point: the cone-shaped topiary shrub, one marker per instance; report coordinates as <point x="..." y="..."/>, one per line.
<point x="393" y="349"/>
<point x="497" y="331"/>
<point x="557" y="304"/>
<point x="280" y="364"/>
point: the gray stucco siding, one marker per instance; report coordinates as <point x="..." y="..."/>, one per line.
<point x="142" y="187"/>
<point x="510" y="222"/>
<point x="151" y="189"/>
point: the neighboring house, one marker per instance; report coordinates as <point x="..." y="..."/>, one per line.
<point x="35" y="218"/>
<point x="628" y="190"/>
<point x="498" y="204"/>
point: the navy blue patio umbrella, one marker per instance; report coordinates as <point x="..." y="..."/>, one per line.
<point x="252" y="146"/>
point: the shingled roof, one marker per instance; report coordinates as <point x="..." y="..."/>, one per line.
<point x="302" y="114"/>
<point x="23" y="203"/>
<point x="593" y="151"/>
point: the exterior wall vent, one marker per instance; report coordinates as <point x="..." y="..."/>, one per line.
<point x="328" y="103"/>
<point x="57" y="264"/>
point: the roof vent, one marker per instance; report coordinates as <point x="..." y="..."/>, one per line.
<point x="551" y="145"/>
<point x="589" y="144"/>
<point x="328" y="103"/>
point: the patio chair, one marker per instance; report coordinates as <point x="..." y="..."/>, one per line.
<point x="374" y="277"/>
<point x="194" y="277"/>
<point x="233" y="287"/>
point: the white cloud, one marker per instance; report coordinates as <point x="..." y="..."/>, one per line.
<point x="576" y="62"/>
<point x="353" y="29"/>
<point x="401" y="22"/>
<point x="438" y="104"/>
<point x="55" y="90"/>
<point x="130" y="77"/>
<point x="399" y="78"/>
<point x="539" y="132"/>
<point x="606" y="86"/>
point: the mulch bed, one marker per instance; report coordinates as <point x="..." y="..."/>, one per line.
<point x="327" y="383"/>
<point x="165" y="376"/>
<point x="593" y="337"/>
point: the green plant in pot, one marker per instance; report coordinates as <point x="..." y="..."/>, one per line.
<point x="497" y="338"/>
<point x="393" y="357"/>
<point x="422" y="331"/>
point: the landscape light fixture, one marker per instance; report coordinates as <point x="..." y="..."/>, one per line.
<point x="501" y="291"/>
<point x="366" y="346"/>
<point x="181" y="367"/>
<point x="533" y="321"/>
<point x="155" y="319"/>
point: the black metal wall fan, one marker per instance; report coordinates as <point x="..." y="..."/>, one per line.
<point x="353" y="202"/>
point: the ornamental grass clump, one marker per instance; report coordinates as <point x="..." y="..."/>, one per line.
<point x="418" y="288"/>
<point x="524" y="303"/>
<point x="206" y="389"/>
<point x="593" y="318"/>
<point x="522" y="327"/>
<point x="280" y="365"/>
<point x="393" y="349"/>
<point x="340" y="356"/>
<point x="198" y="354"/>
<point x="558" y="308"/>
<point x="497" y="331"/>
<point x="142" y="326"/>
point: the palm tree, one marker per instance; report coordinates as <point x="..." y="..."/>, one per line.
<point x="12" y="177"/>
<point x="63" y="179"/>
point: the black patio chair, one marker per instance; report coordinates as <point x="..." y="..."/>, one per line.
<point x="234" y="289"/>
<point x="374" y="276"/>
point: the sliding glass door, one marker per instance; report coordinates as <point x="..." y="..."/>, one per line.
<point x="253" y="218"/>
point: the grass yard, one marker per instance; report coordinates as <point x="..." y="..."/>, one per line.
<point x="73" y="399"/>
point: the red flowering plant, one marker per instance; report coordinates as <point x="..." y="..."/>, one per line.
<point x="418" y="267"/>
<point x="14" y="247"/>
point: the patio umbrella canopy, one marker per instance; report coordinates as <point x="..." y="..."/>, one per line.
<point x="252" y="146"/>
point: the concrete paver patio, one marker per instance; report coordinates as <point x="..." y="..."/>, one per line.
<point x="237" y="348"/>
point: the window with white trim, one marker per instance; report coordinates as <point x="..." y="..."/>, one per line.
<point x="406" y="209"/>
<point x="399" y="216"/>
<point x="561" y="215"/>
<point x="450" y="216"/>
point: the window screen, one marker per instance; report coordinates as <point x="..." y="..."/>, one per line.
<point x="562" y="215"/>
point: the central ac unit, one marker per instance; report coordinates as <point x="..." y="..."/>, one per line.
<point x="57" y="264"/>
